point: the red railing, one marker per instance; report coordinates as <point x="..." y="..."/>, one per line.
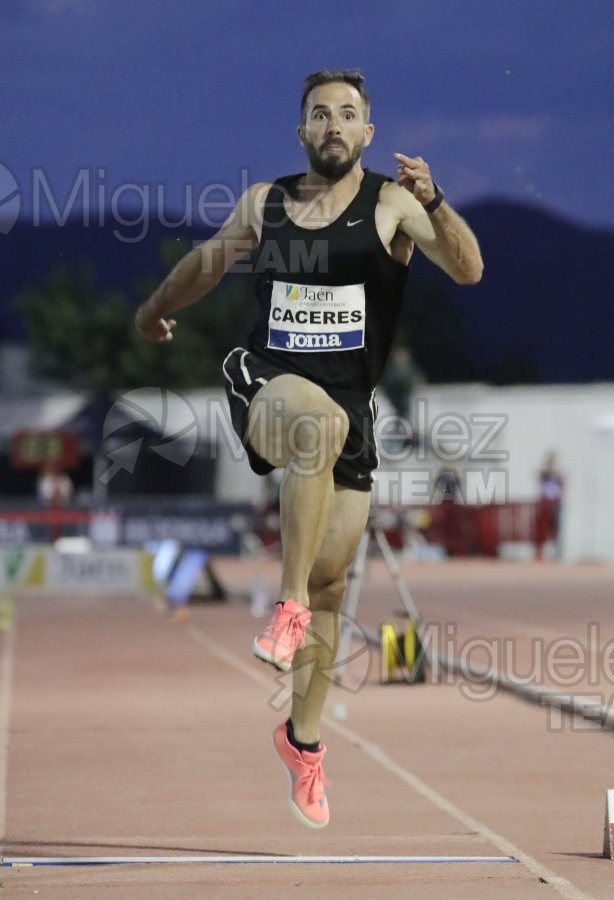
<point x="461" y="529"/>
<point x="465" y="530"/>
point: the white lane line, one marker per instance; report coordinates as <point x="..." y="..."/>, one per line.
<point x="6" y="683"/>
<point x="563" y="887"/>
<point x="227" y="656"/>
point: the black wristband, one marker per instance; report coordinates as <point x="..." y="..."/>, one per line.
<point x="437" y="200"/>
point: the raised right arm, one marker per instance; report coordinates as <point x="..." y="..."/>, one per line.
<point x="200" y="270"/>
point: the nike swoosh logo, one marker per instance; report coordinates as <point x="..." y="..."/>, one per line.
<point x="351" y="224"/>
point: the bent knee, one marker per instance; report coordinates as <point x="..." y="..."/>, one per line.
<point x="326" y="593"/>
<point x="322" y="432"/>
<point x="293" y="418"/>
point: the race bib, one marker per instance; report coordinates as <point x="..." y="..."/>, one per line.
<point x="307" y="318"/>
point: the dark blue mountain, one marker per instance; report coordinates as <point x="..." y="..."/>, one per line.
<point x="543" y="312"/>
<point x="545" y="305"/>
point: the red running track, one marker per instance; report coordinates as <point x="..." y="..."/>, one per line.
<point x="123" y="732"/>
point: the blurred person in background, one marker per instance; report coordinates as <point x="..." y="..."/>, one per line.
<point x="550" y="500"/>
<point x="54" y="488"/>
<point x="398" y="382"/>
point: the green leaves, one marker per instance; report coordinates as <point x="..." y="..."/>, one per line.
<point x="85" y="338"/>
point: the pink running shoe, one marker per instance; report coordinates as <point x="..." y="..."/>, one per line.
<point x="307" y="798"/>
<point x="283" y="636"/>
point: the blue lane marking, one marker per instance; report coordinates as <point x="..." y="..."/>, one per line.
<point x="34" y="861"/>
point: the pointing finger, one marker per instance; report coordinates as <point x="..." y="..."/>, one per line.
<point x="407" y="160"/>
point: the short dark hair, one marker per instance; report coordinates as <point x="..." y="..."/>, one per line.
<point x="323" y="76"/>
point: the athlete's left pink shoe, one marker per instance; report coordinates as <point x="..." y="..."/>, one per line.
<point x="307" y="780"/>
<point x="283" y="636"/>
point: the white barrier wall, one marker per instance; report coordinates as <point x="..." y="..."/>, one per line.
<point x="563" y="419"/>
<point x="525" y="424"/>
<point x="522" y="424"/>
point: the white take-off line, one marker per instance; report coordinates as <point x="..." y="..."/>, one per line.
<point x="246" y="859"/>
<point x="563" y="887"/>
<point x="7" y="641"/>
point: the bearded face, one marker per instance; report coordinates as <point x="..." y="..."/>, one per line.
<point x="335" y="129"/>
<point x="333" y="158"/>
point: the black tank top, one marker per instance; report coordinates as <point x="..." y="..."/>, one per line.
<point x="328" y="298"/>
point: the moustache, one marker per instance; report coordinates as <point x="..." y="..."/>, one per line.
<point x="334" y="142"/>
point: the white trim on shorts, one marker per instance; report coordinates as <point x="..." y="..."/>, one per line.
<point x="228" y="378"/>
<point x="244" y="371"/>
<point x="373" y="408"/>
<point x="243" y="367"/>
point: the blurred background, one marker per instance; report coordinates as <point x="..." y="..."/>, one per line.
<point x="128" y="133"/>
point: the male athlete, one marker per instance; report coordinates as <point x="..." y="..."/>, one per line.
<point x="333" y="248"/>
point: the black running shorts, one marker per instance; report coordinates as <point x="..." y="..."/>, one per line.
<point x="246" y="372"/>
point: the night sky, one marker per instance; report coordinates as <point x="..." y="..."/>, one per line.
<point x="503" y="99"/>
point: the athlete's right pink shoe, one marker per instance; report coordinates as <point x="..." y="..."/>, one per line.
<point x="283" y="636"/>
<point x="307" y="800"/>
